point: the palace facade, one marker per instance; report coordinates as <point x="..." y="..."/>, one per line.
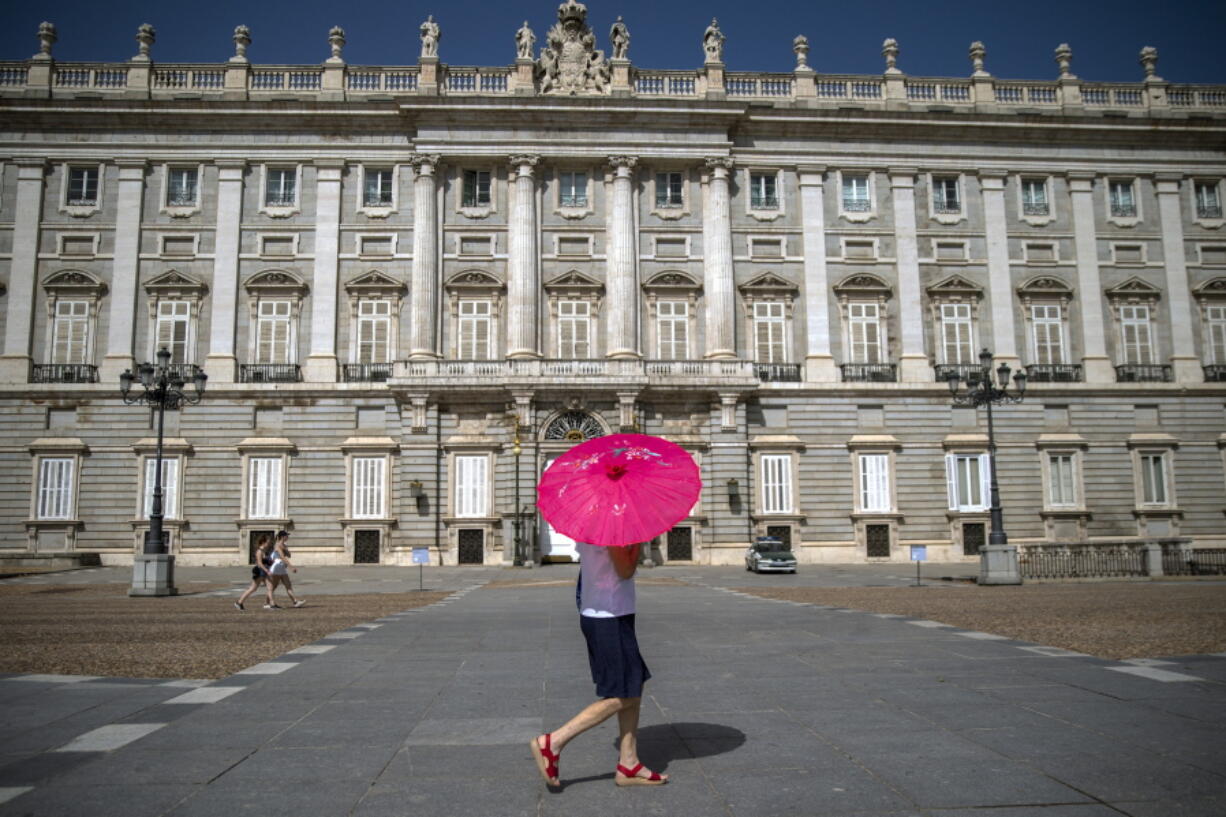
<point x="411" y="287"/>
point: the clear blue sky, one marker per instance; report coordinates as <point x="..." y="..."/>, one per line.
<point x="845" y="37"/>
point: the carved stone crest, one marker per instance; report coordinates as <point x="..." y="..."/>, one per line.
<point x="570" y="63"/>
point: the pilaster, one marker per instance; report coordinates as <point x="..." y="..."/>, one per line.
<point x="424" y="277"/>
<point x="321" y="363"/>
<point x="717" y="261"/>
<point x="913" y="366"/>
<point x="522" y="284"/>
<point x="221" y="365"/>
<point x="715" y="80"/>
<point x="524" y="83"/>
<point x="125" y="272"/>
<point x="621" y="77"/>
<point x="428" y="76"/>
<point x="23" y="271"/>
<point x="819" y="361"/>
<point x="1184" y="363"/>
<point x="1004" y="338"/>
<point x="622" y="266"/>
<point x="1095" y="362"/>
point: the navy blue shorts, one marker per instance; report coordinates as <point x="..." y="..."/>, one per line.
<point x="618" y="670"/>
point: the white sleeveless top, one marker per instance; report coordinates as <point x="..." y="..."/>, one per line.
<point x="604" y="594"/>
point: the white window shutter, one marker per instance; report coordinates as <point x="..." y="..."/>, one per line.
<point x="951" y="480"/>
<point x="985" y="481"/>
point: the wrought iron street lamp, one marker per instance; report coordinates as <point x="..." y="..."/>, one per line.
<point x="162" y="387"/>
<point x="519" y="522"/>
<point x="998" y="562"/>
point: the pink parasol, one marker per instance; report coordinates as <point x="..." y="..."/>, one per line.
<point x="619" y="490"/>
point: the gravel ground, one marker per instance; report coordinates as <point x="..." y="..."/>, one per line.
<point x="99" y="630"/>
<point x="1110" y="620"/>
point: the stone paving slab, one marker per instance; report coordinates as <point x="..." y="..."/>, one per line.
<point x="757" y="708"/>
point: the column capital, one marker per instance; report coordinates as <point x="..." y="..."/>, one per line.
<point x="902" y="176"/>
<point x="1168" y="181"/>
<point x="424" y="163"/>
<point x="523" y="163"/>
<point x="718" y="163"/>
<point x="811" y="175"/>
<point x="31" y="169"/>
<point x="129" y="164"/>
<point x="626" y="162"/>
<point x="329" y="162"/>
<point x="1081" y="175"/>
<point x="991" y="173"/>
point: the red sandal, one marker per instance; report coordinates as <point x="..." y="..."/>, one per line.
<point x="629" y="777"/>
<point x="546" y="760"/>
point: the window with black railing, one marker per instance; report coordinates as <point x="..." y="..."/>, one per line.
<point x="869" y="372"/>
<point x="1208" y="203"/>
<point x="946" y="198"/>
<point x="856" y="205"/>
<point x="1143" y="373"/>
<point x="181" y="184"/>
<point x="1215" y="373"/>
<point x="1122" y="200"/>
<point x="63" y="373"/>
<point x="269" y="373"/>
<point x="777" y="372"/>
<point x="1053" y="373"/>
<point x="1034" y="197"/>
<point x="367" y="372"/>
<point x="969" y="373"/>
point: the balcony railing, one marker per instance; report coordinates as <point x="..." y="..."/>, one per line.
<point x="366" y="372"/>
<point x="1208" y="211"/>
<point x="1035" y="208"/>
<point x="971" y="373"/>
<point x="183" y="371"/>
<point x="856" y="205"/>
<point x="1054" y="373"/>
<point x="947" y="207"/>
<point x="1142" y="373"/>
<point x="869" y="372"/>
<point x="777" y="372"/>
<point x="63" y="373"/>
<point x="1124" y="210"/>
<point x="764" y="202"/>
<point x="1215" y="373"/>
<point x="269" y="373"/>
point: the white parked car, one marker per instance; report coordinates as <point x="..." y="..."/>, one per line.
<point x="770" y="556"/>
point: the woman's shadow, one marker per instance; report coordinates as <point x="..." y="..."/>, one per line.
<point x="662" y="743"/>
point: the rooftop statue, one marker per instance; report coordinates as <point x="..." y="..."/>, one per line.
<point x="713" y="42"/>
<point x="430" y="35"/>
<point x="619" y="35"/>
<point x="570" y="63"/>
<point x="524" y="40"/>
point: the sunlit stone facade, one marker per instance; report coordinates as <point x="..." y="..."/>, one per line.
<point x="413" y="286"/>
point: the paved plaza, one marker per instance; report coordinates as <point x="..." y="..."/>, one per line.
<point x="757" y="707"/>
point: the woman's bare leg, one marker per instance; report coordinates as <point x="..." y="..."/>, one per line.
<point x="628" y="724"/>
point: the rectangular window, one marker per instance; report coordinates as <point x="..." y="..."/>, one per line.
<point x="170" y="487"/>
<point x="669" y="188"/>
<point x="471" y="480"/>
<point x="874" y="482"/>
<point x="769" y="333"/>
<point x="672" y="329"/>
<point x="1216" y="318"/>
<point x="1034" y="198"/>
<point x="1048" y="326"/>
<point x="572" y="189"/>
<point x="956" y="341"/>
<point x="281" y="187"/>
<point x="368" y="480"/>
<point x="55" y="488"/>
<point x="1208" y="202"/>
<point x="474" y="330"/>
<point x="776" y="483"/>
<point x="763" y="193"/>
<point x="374" y="331"/>
<point x="1135" y="335"/>
<point x="476" y="188"/>
<point x="264" y="488"/>
<point x="856" y="198"/>
<point x="82" y="187"/>
<point x="1153" y="478"/>
<point x="272" y="333"/>
<point x="945" y="195"/>
<point x="1062" y="486"/>
<point x="574" y="324"/>
<point x="969" y="482"/>
<point x="173" y="318"/>
<point x="70" y="339"/>
<point x="181" y="186"/>
<point x="1123" y="203"/>
<point x="864" y="325"/>
<point x="377" y="191"/>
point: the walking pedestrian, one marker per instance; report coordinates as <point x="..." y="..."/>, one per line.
<point x="259" y="572"/>
<point x="606" y="617"/>
<point x="279" y="570"/>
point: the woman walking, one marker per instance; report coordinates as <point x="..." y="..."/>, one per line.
<point x="259" y="572"/>
<point x="279" y="572"/>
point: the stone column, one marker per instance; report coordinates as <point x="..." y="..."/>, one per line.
<point x="221" y="363"/>
<point x="23" y="271"/>
<point x="913" y="363"/>
<point x="423" y="337"/>
<point x="522" y="264"/>
<point x="1095" y="363"/>
<point x="121" y="325"/>
<point x="1185" y="365"/>
<point x="819" y="362"/>
<point x="622" y="263"/>
<point x="717" y="262"/>
<point x="321" y="362"/>
<point x="1000" y="289"/>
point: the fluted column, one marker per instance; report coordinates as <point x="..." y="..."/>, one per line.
<point x="717" y="262"/>
<point x="1096" y="364"/>
<point x="321" y="363"/>
<point x="423" y="336"/>
<point x="1000" y="290"/>
<point x="23" y="271"/>
<point x="521" y="245"/>
<point x="819" y="362"/>
<point x="221" y="364"/>
<point x="1184" y="363"/>
<point x="913" y="363"/>
<point x="121" y="323"/>
<point x="622" y="262"/>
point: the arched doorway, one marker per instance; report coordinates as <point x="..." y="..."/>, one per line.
<point x="561" y="432"/>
